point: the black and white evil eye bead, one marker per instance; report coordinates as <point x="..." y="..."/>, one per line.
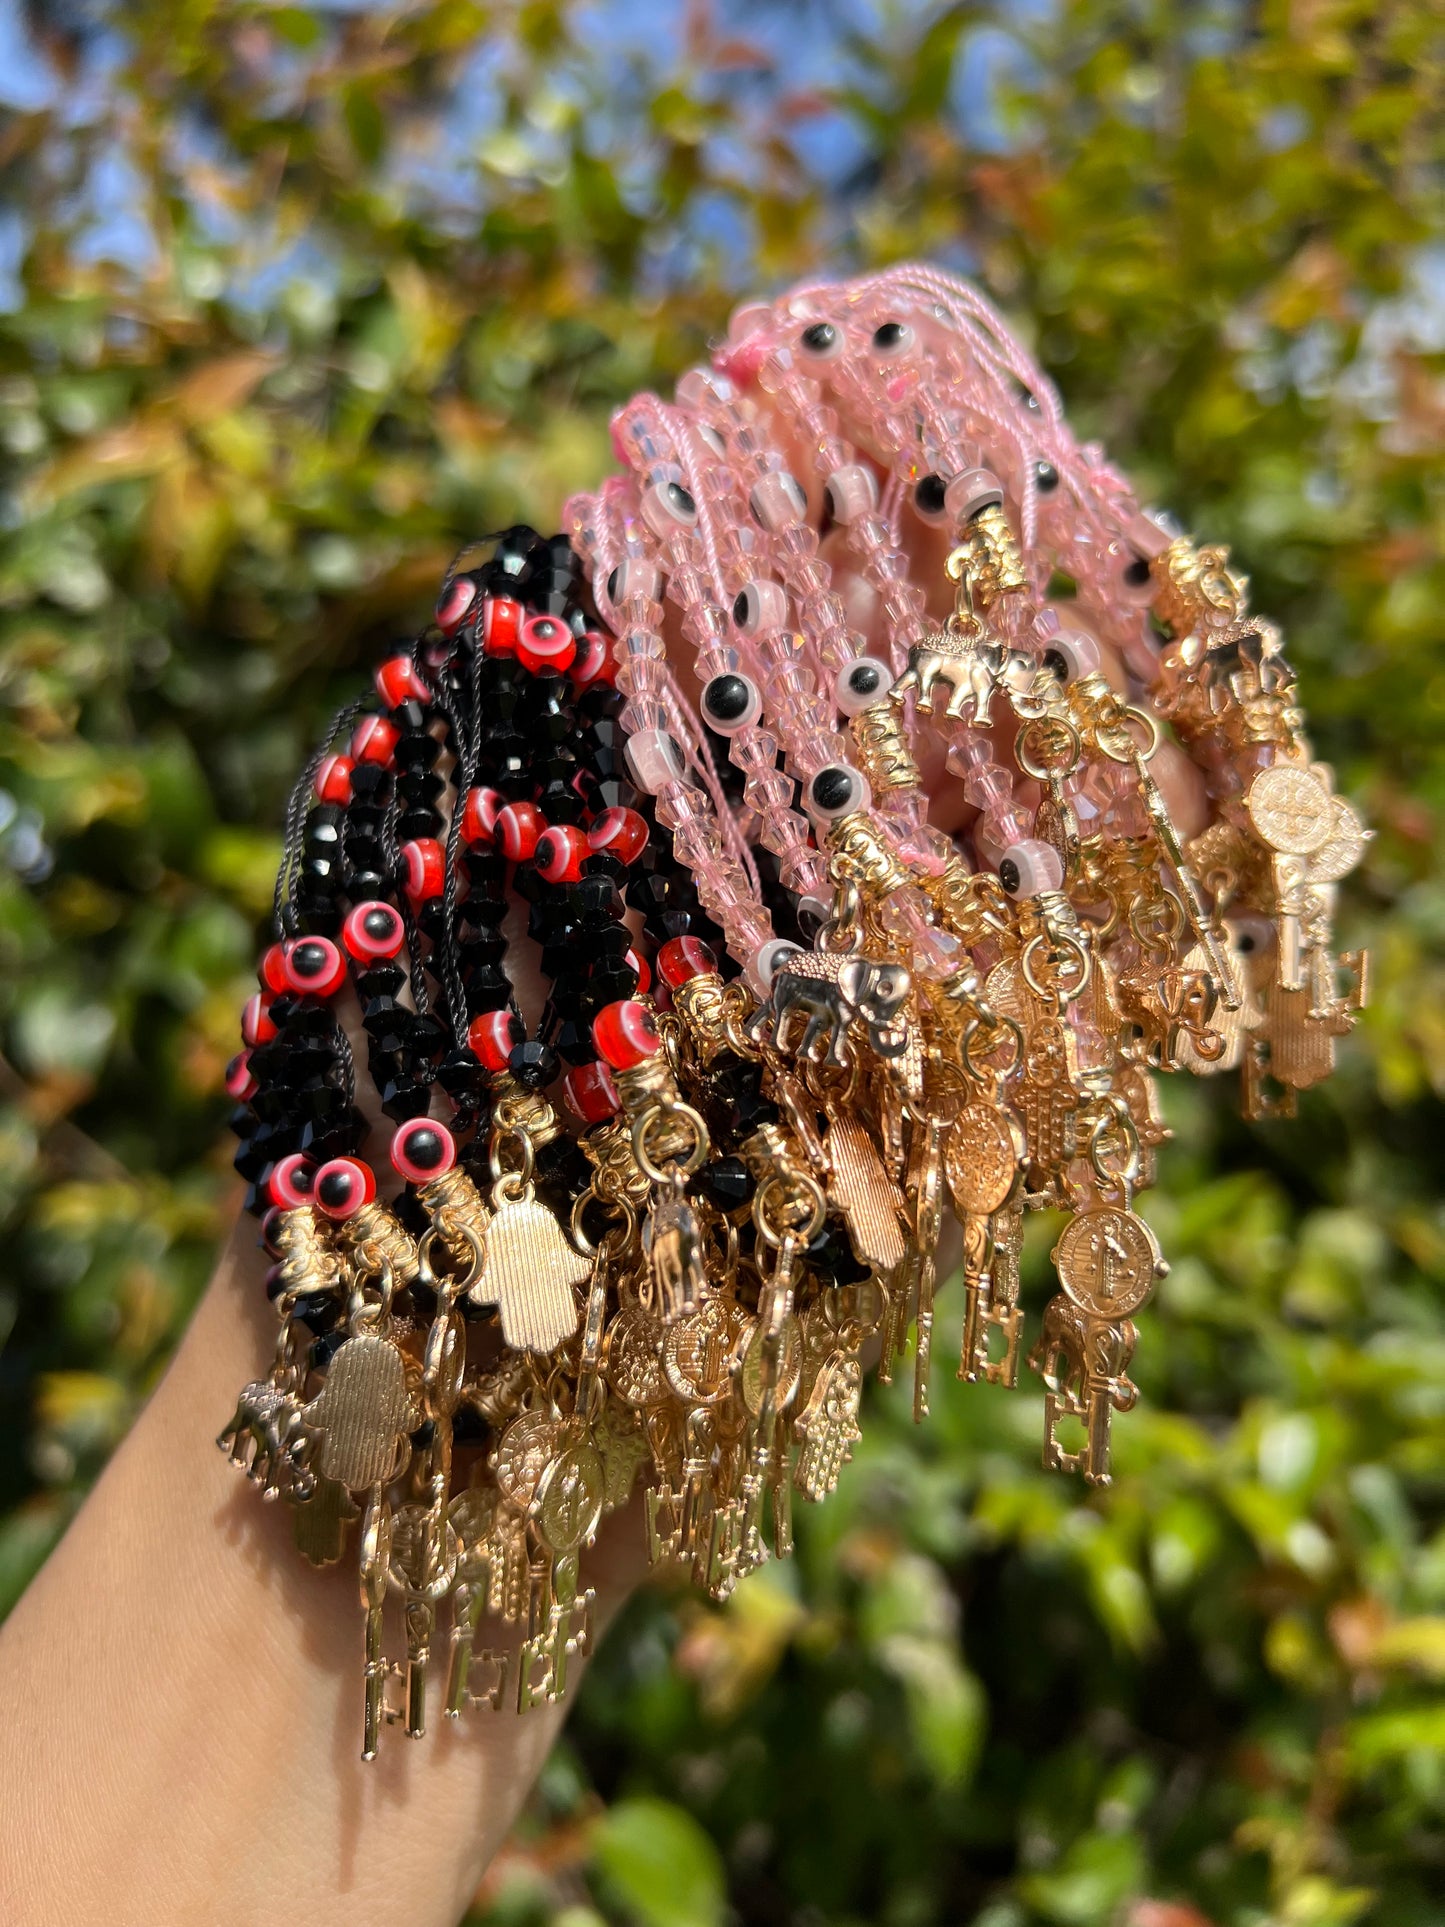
<point x="892" y="337"/>
<point x="760" y="607"/>
<point x="1030" y="867"/>
<point x="667" y="506"/>
<point x="778" y="500"/>
<point x="1070" y="654"/>
<point x="837" y="790"/>
<point x="730" y="702"/>
<point x="861" y="683"/>
<point x="422" y="1149"/>
<point x="930" y="497"/>
<point x="767" y="961"/>
<point x="851" y="492"/>
<point x="821" y="340"/>
<point x="1046" y="477"/>
<point x="372" y="930"/>
<point x="1135" y="576"/>
<point x="635" y="576"/>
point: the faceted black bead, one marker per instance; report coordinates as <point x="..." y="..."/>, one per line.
<point x="318" y="1310"/>
<point x="366" y="854"/>
<point x="488" y="989"/>
<point x="602" y="863"/>
<point x="533" y="1065"/>
<point x="404" y="1097"/>
<point x="322" y="839"/>
<point x="472" y="952"/>
<point x="410" y="718"/>
<point x="572" y="1041"/>
<point x="614" y="793"/>
<point x="320" y="873"/>
<point x="596" y="898"/>
<point x="527" y="884"/>
<point x="364" y="885"/>
<point x="370" y="783"/>
<point x="609" y="983"/>
<point x="431" y="920"/>
<point x="381" y="979"/>
<point x="461" y="1075"/>
<point x="831" y="1253"/>
<point x="487" y="875"/>
<point x="322" y="817"/>
<point x="417" y="786"/>
<point x="429" y="1036"/>
<point x="725" y="1182"/>
<point x="560" y="803"/>
<point x="417" y="822"/>
<point x="562" y="1165"/>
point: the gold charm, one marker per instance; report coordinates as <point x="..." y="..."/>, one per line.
<point x="360" y="1413"/>
<point x="532" y="1272"/>
<point x="860" y="1187"/>
<point x="322" y="1522"/>
<point x="1107" y="1261"/>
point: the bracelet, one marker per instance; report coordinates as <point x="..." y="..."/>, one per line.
<point x="656" y="1225"/>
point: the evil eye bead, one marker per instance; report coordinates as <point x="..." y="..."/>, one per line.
<point x="1046" y="477"/>
<point x="373" y="740"/>
<point x="778" y="501"/>
<point x="399" y="681"/>
<point x="654" y="759"/>
<point x="494" y="1035"/>
<point x="292" y="1182"/>
<point x="332" y="782"/>
<point x="640" y="968"/>
<point x="730" y="702"/>
<point x="372" y="931"/>
<point x="272" y="969"/>
<point x="971" y="493"/>
<point x="479" y="815"/>
<point x="619" y="832"/>
<point x="1029" y="867"/>
<point x="821" y="341"/>
<point x="424" y="867"/>
<point x="625" y="1034"/>
<point x="851" y="492"/>
<point x="837" y="790"/>
<point x="683" y="958"/>
<point x="240" y="1082"/>
<point x="635" y="576"/>
<point x="422" y="1149"/>
<point x="759" y="607"/>
<point x="502" y="619"/>
<point x="257" y="1026"/>
<point x="518" y="828"/>
<point x="1135" y="577"/>
<point x="590" y="1093"/>
<point x="892" y="338"/>
<point x="1070" y="654"/>
<point x="314" y="967"/>
<point x="453" y="603"/>
<point x="861" y="683"/>
<point x="668" y="507"/>
<point x="343" y="1186"/>
<point x="560" y="853"/>
<point x="766" y="961"/>
<point x="930" y="498"/>
<point x="593" y="661"/>
<point x="545" y="644"/>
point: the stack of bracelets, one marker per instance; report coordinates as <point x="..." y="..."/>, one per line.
<point x="659" y="1228"/>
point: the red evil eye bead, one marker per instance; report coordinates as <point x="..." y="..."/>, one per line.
<point x="494" y="1036"/>
<point x="593" y="661"/>
<point x="454" y="601"/>
<point x="333" y="780"/>
<point x="373" y="740"/>
<point x="292" y="1182"/>
<point x="272" y="969"/>
<point x="373" y="930"/>
<point x="426" y="868"/>
<point x="625" y="1034"/>
<point x="591" y="1093"/>
<point x="560" y="853"/>
<point x="343" y="1186"/>
<point x="683" y="958"/>
<point x="518" y="828"/>
<point x="256" y="1025"/>
<point x="636" y="961"/>
<point x="314" y="967"/>
<point x="239" y="1082"/>
<point x="501" y="625"/>
<point x="545" y="643"/>
<point x="399" y="681"/>
<point x="621" y="833"/>
<point x="422" y="1149"/>
<point x="480" y="813"/>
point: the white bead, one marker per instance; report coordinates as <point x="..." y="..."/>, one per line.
<point x="635" y="575"/>
<point x="1028" y="868"/>
<point x="778" y="500"/>
<point x="668" y="507"/>
<point x="822" y="340"/>
<point x="655" y="760"/>
<point x="852" y="492"/>
<point x="759" y="607"/>
<point x="837" y="790"/>
<point x="730" y="702"/>
<point x="1070" y="654"/>
<point x="969" y="494"/>
<point x="861" y="683"/>
<point x="766" y="961"/>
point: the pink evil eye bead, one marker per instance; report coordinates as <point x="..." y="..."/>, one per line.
<point x="373" y="740"/>
<point x="372" y="931"/>
<point x="501" y="625"/>
<point x="314" y="967"/>
<point x="343" y="1186"/>
<point x="240" y="1084"/>
<point x="454" y="601"/>
<point x="399" y="681"/>
<point x="422" y="1149"/>
<point x="778" y="500"/>
<point x="971" y="493"/>
<point x="760" y="607"/>
<point x="625" y="1034"/>
<point x="256" y="1024"/>
<point x="1070" y="654"/>
<point x="861" y="683"/>
<point x="332" y="782"/>
<point x="635" y="576"/>
<point x="822" y="340"/>
<point x="292" y="1182"/>
<point x="272" y="969"/>
<point x="560" y="853"/>
<point x="545" y="643"/>
<point x="594" y="660"/>
<point x="1132" y="573"/>
<point x="837" y="790"/>
<point x="619" y="832"/>
<point x="667" y="507"/>
<point x="683" y="958"/>
<point x="654" y="759"/>
<point x="731" y="702"/>
<point x="518" y="828"/>
<point x="1030" y="867"/>
<point x="851" y="492"/>
<point x="493" y="1036"/>
<point x="590" y="1093"/>
<point x="425" y="865"/>
<point x="480" y="813"/>
<point x="766" y="961"/>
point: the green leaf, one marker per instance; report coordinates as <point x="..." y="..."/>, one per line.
<point x="660" y="1863"/>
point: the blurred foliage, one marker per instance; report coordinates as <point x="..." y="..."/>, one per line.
<point x="296" y="299"/>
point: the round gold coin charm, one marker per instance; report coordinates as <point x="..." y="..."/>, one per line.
<point x="634" y="1370"/>
<point x="697" y="1354"/>
<point x="1291" y="809"/>
<point x="1342" y="848"/>
<point x="982" y="1156"/>
<point x="569" y="1499"/>
<point x="1107" y="1261"/>
<point x="523" y="1454"/>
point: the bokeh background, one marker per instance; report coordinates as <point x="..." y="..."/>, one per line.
<point x="296" y="298"/>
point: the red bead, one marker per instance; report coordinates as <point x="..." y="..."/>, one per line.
<point x="454" y="601"/>
<point x="373" y="930"/>
<point x="494" y="1036"/>
<point x="314" y="967"/>
<point x="426" y="868"/>
<point x="399" y="681"/>
<point x="343" y="1186"/>
<point x="621" y="833"/>
<point x="272" y="969"/>
<point x="479" y="815"/>
<point x="240" y="1084"/>
<point x="560" y="853"/>
<point x="591" y="1093"/>
<point x="636" y="961"/>
<point x="373" y="740"/>
<point x="256" y="1025"/>
<point x="683" y="958"/>
<point x="292" y="1182"/>
<point x="545" y="643"/>
<point x="625" y="1034"/>
<point x="594" y="661"/>
<point x="518" y="827"/>
<point x="421" y="1149"/>
<point x="501" y="625"/>
<point x="333" y="780"/>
